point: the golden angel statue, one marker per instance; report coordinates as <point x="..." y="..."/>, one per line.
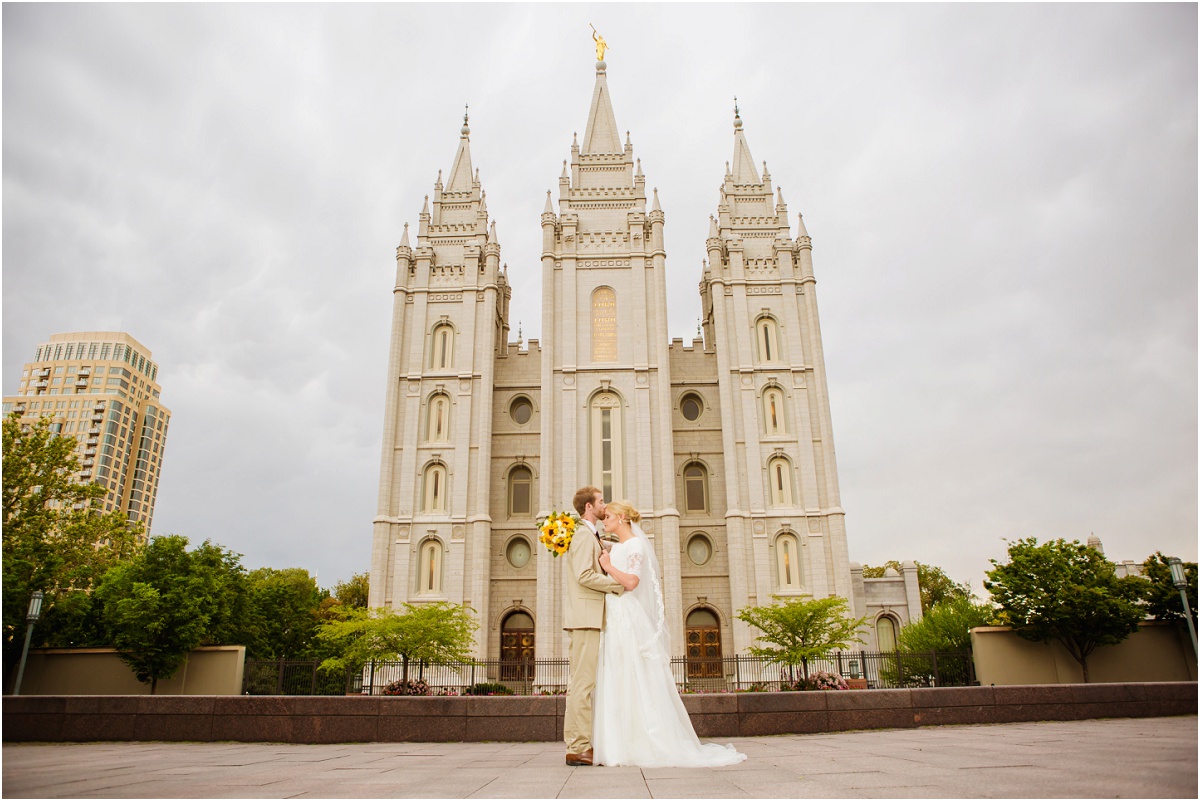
<point x="601" y="45"/>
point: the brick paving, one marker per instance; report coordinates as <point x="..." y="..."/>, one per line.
<point x="1111" y="758"/>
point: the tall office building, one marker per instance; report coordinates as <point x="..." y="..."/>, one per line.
<point x="101" y="387"/>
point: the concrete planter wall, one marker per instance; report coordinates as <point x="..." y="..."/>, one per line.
<point x="302" y="719"/>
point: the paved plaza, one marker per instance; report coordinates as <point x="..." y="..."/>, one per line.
<point x="1115" y="758"/>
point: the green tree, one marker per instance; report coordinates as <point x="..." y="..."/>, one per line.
<point x="282" y="608"/>
<point x="355" y="592"/>
<point x="936" y="586"/>
<point x="1159" y="595"/>
<point x="798" y="630"/>
<point x="434" y="632"/>
<point x="1065" y="592"/>
<point x="167" y="600"/>
<point x="939" y="639"/>
<point x="54" y="541"/>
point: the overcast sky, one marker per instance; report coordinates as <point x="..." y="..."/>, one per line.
<point x="1002" y="202"/>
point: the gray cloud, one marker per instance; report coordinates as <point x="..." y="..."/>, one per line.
<point x="1002" y="201"/>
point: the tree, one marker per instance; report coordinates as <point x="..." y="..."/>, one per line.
<point x="434" y="632"/>
<point x="1065" y="592"/>
<point x="945" y="627"/>
<point x="355" y="592"/>
<point x="936" y="586"/>
<point x="1159" y="595"/>
<point x="166" y="601"/>
<point x="282" y="608"/>
<point x="800" y="629"/>
<point x="53" y="540"/>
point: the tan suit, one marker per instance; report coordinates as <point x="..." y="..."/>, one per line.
<point x="583" y="617"/>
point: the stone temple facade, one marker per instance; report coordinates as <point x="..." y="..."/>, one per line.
<point x="725" y="443"/>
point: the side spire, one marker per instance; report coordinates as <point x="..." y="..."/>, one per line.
<point x="461" y="174"/>
<point x="743" y="163"/>
<point x="601" y="134"/>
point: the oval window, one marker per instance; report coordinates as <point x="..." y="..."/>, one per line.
<point x="699" y="549"/>
<point x="518" y="552"/>
<point x="691" y="406"/>
<point x="521" y="411"/>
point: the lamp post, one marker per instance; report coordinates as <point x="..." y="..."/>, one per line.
<point x="1179" y="579"/>
<point x="31" y="617"/>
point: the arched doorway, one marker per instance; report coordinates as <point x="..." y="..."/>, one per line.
<point x="517" y="652"/>
<point x="703" y="637"/>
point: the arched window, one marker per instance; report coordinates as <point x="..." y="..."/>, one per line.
<point x="767" y="336"/>
<point x="437" y="426"/>
<point x="773" y="412"/>
<point x="695" y="487"/>
<point x="885" y="633"/>
<point x="787" y="562"/>
<point x="435" y="489"/>
<point x="520" y="492"/>
<point x="604" y="325"/>
<point x="429" y="568"/>
<point x="779" y="477"/>
<point x="607" y="446"/>
<point x="441" y="349"/>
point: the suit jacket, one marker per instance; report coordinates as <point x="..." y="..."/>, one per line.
<point x="586" y="584"/>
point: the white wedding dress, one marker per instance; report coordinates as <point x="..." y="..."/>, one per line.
<point x="639" y="717"/>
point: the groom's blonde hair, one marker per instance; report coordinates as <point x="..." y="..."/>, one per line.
<point x="625" y="509"/>
<point x="584" y="496"/>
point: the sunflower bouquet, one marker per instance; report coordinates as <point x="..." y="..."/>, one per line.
<point x="556" y="532"/>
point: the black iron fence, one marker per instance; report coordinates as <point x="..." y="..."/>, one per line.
<point x="862" y="669"/>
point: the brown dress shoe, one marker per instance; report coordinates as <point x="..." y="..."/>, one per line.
<point x="580" y="760"/>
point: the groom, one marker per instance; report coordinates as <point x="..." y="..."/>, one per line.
<point x="583" y="617"/>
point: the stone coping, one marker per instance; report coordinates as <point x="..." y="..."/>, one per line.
<point x="322" y="719"/>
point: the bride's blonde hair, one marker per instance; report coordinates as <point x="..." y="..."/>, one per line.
<point x="625" y="509"/>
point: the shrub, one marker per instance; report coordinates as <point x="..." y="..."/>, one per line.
<point x="418" y="687"/>
<point x="487" y="688"/>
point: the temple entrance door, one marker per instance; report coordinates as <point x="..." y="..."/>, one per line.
<point x="703" y="637"/>
<point x="517" y="652"/>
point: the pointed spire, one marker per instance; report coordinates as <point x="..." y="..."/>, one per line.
<point x="602" y="134"/>
<point x="743" y="163"/>
<point x="713" y="231"/>
<point x="439" y="180"/>
<point x="801" y="231"/>
<point x="549" y="206"/>
<point x="425" y="208"/>
<point x="639" y="167"/>
<point x="656" y="207"/>
<point x="404" y="239"/>
<point x="492" y="234"/>
<point x="460" y="173"/>
<point x="628" y="141"/>
<point x="564" y="172"/>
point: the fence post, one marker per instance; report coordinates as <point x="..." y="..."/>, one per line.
<point x="371" y="686"/>
<point x="970" y="668"/>
<point x="937" y="679"/>
<point x="279" y="677"/>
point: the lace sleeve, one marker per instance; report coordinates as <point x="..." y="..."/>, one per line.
<point x="636" y="563"/>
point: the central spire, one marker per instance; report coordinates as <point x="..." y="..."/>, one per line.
<point x="743" y="163"/>
<point x="602" y="134"/>
<point x="461" y="173"/>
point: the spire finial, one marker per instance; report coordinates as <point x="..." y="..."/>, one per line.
<point x="697" y="326"/>
<point x="466" y="129"/>
<point x="737" y="117"/>
<point x="628" y="141"/>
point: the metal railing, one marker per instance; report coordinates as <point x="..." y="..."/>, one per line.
<point x="864" y="669"/>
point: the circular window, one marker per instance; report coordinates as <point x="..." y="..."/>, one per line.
<point x="521" y="410"/>
<point x="691" y="406"/>
<point x="699" y="549"/>
<point x="518" y="552"/>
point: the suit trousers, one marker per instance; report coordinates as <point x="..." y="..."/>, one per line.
<point x="577" y="721"/>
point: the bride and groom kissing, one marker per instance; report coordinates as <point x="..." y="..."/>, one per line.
<point x="615" y="618"/>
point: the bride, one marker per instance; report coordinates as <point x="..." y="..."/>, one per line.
<point x="640" y="719"/>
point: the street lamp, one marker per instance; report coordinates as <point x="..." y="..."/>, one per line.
<point x="31" y="617"/>
<point x="1179" y="579"/>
